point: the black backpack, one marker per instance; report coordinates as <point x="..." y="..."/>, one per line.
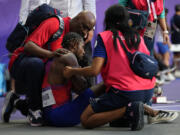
<point x="21" y="32"/>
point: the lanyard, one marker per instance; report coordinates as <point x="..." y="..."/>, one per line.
<point x="151" y="4"/>
<point x="154" y="10"/>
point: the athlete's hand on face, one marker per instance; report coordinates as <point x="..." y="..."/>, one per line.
<point x="67" y="72"/>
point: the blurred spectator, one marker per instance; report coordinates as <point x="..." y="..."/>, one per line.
<point x="72" y="7"/>
<point x="156" y="12"/>
<point x="163" y="49"/>
<point x="175" y="32"/>
<point x="175" y="26"/>
<point x="27" y="6"/>
<point x="164" y="54"/>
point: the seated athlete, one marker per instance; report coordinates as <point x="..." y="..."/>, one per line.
<point x="58" y="107"/>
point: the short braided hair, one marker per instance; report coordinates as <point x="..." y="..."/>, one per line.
<point x="70" y="39"/>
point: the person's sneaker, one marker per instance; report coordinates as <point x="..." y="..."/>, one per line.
<point x="168" y="77"/>
<point x="135" y="113"/>
<point x="35" y="118"/>
<point x="163" y="117"/>
<point x="122" y="122"/>
<point x="8" y="106"/>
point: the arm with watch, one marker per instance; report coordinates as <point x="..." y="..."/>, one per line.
<point x="163" y="25"/>
<point x="162" y="22"/>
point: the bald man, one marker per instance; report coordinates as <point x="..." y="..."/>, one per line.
<point x="27" y="63"/>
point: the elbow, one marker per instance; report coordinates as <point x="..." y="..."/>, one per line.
<point x="29" y="47"/>
<point x="26" y="47"/>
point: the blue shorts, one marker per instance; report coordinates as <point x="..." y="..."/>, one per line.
<point x="68" y="114"/>
<point x="162" y="48"/>
<point x="115" y="99"/>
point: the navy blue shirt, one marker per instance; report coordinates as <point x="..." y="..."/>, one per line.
<point x="100" y="50"/>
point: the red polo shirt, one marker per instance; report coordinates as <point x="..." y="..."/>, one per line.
<point x="42" y="34"/>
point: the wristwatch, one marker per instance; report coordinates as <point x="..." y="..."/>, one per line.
<point x="165" y="32"/>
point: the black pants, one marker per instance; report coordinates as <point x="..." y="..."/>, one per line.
<point x="28" y="71"/>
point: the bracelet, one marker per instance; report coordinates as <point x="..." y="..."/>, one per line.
<point x="165" y="32"/>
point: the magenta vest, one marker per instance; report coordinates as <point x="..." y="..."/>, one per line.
<point x="117" y="72"/>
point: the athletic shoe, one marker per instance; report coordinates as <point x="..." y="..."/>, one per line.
<point x="35" y="118"/>
<point x="122" y="122"/>
<point x="163" y="117"/>
<point x="170" y="77"/>
<point x="135" y="113"/>
<point x="167" y="77"/>
<point x="8" y="106"/>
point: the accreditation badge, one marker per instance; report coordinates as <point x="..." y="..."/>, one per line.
<point x="150" y="29"/>
<point x="48" y="98"/>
